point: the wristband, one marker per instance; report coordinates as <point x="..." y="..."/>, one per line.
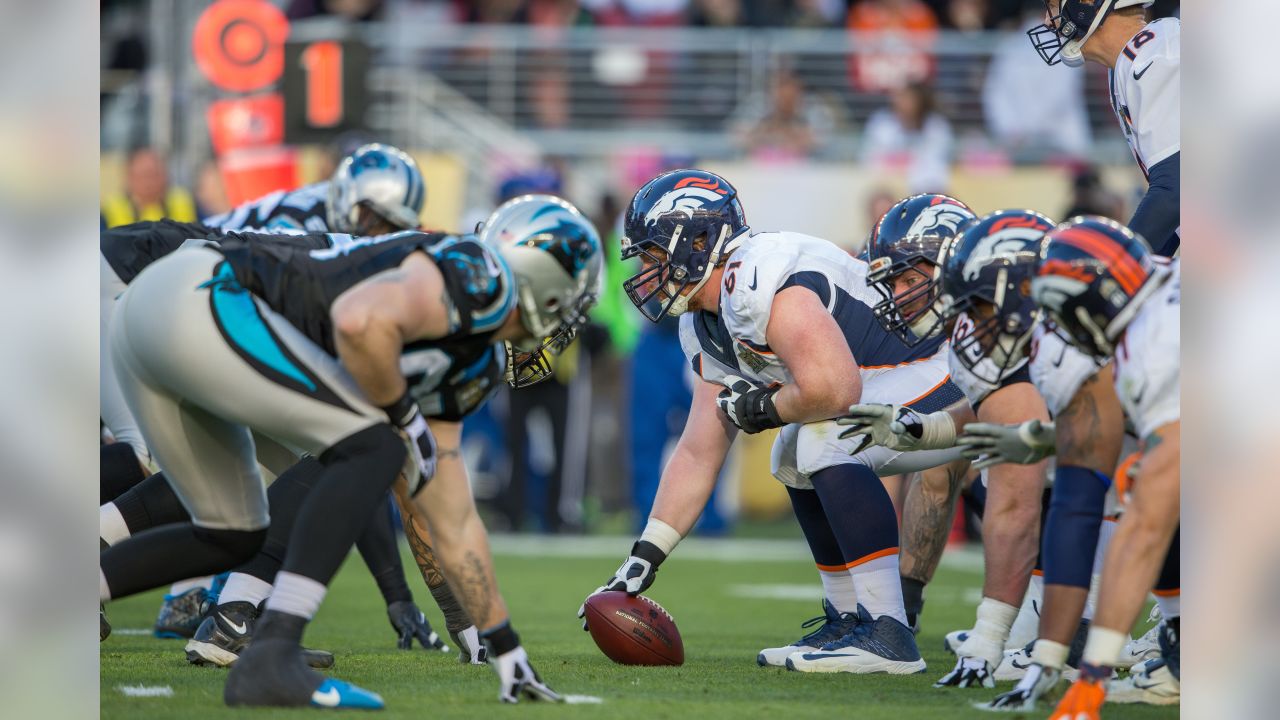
<point x="648" y="552"/>
<point x="1050" y="654"/>
<point x="500" y="639"/>
<point x="1104" y="646"/>
<point x="401" y="411"/>
<point x="937" y="431"/>
<point x="662" y="535"/>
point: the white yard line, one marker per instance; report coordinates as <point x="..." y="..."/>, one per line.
<point x="146" y="690"/>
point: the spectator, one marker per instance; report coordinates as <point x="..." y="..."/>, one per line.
<point x="1030" y="107"/>
<point x="147" y="194"/>
<point x="210" y="193"/>
<point x="901" y="31"/>
<point x="879" y="203"/>
<point x="912" y="136"/>
<point x="966" y="15"/>
<point x="816" y="13"/>
<point x="788" y="125"/>
<point x="347" y="10"/>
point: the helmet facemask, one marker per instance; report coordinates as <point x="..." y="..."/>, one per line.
<point x="997" y="329"/>
<point x="916" y="314"/>
<point x="671" y="275"/>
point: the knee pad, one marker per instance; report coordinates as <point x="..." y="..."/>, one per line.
<point x="1071" y="528"/>
<point x="238" y="545"/>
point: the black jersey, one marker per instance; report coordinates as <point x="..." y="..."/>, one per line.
<point x="303" y="210"/>
<point x="302" y="283"/>
<point x="458" y="384"/>
<point x="128" y="249"/>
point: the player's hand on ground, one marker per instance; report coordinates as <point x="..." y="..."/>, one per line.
<point x="1037" y="683"/>
<point x="969" y="672"/>
<point x="519" y="679"/>
<point x="884" y="425"/>
<point x="1083" y="700"/>
<point x="633" y="577"/>
<point x="409" y="623"/>
<point x="470" y="650"/>
<point x="989" y="444"/>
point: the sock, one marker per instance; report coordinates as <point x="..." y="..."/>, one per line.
<point x="111" y="525"/>
<point x="184" y="585"/>
<point x="1026" y="627"/>
<point x="879" y="587"/>
<point x="838" y="588"/>
<point x="1167" y="590"/>
<point x="1091" y="600"/>
<point x="119" y="469"/>
<point x="296" y="595"/>
<point x="912" y="599"/>
<point x="1170" y="604"/>
<point x="989" y="632"/>
<point x="241" y="587"/>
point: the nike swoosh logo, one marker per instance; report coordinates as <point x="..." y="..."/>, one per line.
<point x="754" y="273"/>
<point x="1019" y="665"/>
<point x="1138" y="75"/>
<point x="328" y="698"/>
<point x="241" y="628"/>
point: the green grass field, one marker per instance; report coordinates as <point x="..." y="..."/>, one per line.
<point x="726" y="608"/>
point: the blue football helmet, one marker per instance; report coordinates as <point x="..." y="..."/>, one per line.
<point x="1061" y="38"/>
<point x="555" y="254"/>
<point x="913" y="237"/>
<point x="1092" y="277"/>
<point x="381" y="178"/>
<point x="987" y="277"/>
<point x="681" y="225"/>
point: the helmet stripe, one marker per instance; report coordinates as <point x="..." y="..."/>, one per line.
<point x="1126" y="270"/>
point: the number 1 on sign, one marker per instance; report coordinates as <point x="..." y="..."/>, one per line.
<point x="322" y="62"/>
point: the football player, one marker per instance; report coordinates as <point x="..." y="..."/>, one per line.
<point x="377" y="189"/>
<point x="1144" y="60"/>
<point x="779" y="328"/>
<point x="311" y="346"/>
<point x="1100" y="286"/>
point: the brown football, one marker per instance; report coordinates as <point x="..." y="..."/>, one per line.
<point x="633" y="630"/>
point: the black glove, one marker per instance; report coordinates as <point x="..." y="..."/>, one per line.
<point x="749" y="407"/>
<point x="406" y="416"/>
<point x="409" y="623"/>
<point x="511" y="663"/>
<point x="634" y="576"/>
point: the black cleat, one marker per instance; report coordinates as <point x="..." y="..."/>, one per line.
<point x="227" y="631"/>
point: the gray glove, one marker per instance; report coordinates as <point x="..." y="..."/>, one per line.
<point x="897" y="428"/>
<point x="990" y="444"/>
<point x="1037" y="683"/>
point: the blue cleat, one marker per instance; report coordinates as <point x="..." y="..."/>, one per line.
<point x="835" y="625"/>
<point x="334" y="693"/>
<point x="875" y="645"/>
<point x="181" y="614"/>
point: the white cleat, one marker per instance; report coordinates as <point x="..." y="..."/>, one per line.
<point x="1150" y="683"/>
<point x="832" y="625"/>
<point x="1014" y="664"/>
<point x="1140" y="650"/>
<point x="955" y="639"/>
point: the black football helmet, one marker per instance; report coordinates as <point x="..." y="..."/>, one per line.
<point x="681" y="225"/>
<point x="1092" y="277"/>
<point x="987" y="278"/>
<point x="913" y="237"/>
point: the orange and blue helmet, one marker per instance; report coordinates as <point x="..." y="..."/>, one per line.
<point x="1092" y="277"/>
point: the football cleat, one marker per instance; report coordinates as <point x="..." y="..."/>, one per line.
<point x="334" y="693"/>
<point x="1150" y="683"/>
<point x="470" y="650"/>
<point x="104" y="627"/>
<point x="1141" y="649"/>
<point x="181" y="614"/>
<point x="874" y="645"/>
<point x="224" y="635"/>
<point x="832" y="625"/>
<point x="273" y="673"/>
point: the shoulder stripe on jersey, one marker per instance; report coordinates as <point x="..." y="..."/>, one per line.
<point x="872" y="346"/>
<point x="939" y="397"/>
<point x="758" y="349"/>
<point x="817" y="282"/>
<point x="713" y="338"/>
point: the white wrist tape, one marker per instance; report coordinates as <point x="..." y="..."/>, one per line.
<point x="662" y="535"/>
<point x="938" y="431"/>
<point x="1104" y="646"/>
<point x="1050" y="654"/>
<point x="990" y="631"/>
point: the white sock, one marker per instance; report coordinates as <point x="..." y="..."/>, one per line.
<point x="111" y="524"/>
<point x="839" y="590"/>
<point x="104" y="592"/>
<point x="1027" y="625"/>
<point x="1091" y="601"/>
<point x="242" y="587"/>
<point x="1170" y="605"/>
<point x="1105" y="532"/>
<point x="182" y="586"/>
<point x="878" y="587"/>
<point x="296" y="595"/>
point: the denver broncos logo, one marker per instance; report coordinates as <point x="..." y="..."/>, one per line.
<point x="1004" y="245"/>
<point x="704" y="183"/>
<point x="943" y="219"/>
<point x="683" y="199"/>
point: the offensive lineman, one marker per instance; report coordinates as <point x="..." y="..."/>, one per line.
<point x="311" y="346"/>
<point x="1144" y="61"/>
<point x="779" y="328"/>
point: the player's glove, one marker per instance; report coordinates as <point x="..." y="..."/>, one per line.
<point x="1037" y="683"/>
<point x="749" y="407"/>
<point x="511" y="663"/>
<point x="969" y="672"/>
<point x="634" y="576"/>
<point x="897" y="428"/>
<point x="1084" y="698"/>
<point x="470" y="650"/>
<point x="990" y="444"/>
<point x="406" y="416"/>
<point x="409" y="623"/>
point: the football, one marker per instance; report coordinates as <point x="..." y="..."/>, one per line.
<point x="633" y="630"/>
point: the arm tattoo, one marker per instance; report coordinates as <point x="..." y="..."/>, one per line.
<point x="926" y="524"/>
<point x="1082" y="434"/>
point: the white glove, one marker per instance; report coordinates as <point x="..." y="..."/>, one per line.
<point x="470" y="650"/>
<point x="969" y="672"/>
<point x="633" y="577"/>
<point x="897" y="428"/>
<point x="1024" y="444"/>
<point x="406" y="416"/>
<point x="517" y="676"/>
<point x="1038" y="681"/>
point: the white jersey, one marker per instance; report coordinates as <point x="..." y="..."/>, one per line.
<point x="1146" y="92"/>
<point x="1147" y="370"/>
<point x="1058" y="369"/>
<point x="976" y="389"/>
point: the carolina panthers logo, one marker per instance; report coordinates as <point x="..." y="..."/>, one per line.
<point x="685" y="200"/>
<point x="941" y="220"/>
<point x="997" y="246"/>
